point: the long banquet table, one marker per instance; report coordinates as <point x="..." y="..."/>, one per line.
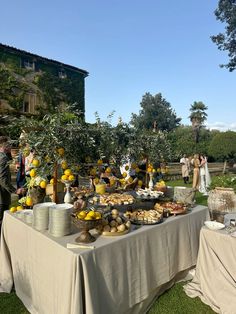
<point x="120" y="275"/>
<point x="215" y="278"/>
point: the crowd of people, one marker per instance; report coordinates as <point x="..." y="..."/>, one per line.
<point x="201" y="176"/>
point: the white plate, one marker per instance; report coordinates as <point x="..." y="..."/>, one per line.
<point x="214" y="225"/>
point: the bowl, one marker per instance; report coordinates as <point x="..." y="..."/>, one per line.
<point x="85" y="225"/>
<point x="214" y="225"/>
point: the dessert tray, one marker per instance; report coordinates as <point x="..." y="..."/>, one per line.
<point x="147" y="194"/>
<point x="144" y="217"/>
<point x="114" y="224"/>
<point x="112" y="199"/>
<point x="172" y="207"/>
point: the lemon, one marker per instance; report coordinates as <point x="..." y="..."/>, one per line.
<point x="81" y="215"/>
<point x="35" y="162"/>
<point x="127" y="168"/>
<point x="71" y="177"/>
<point x="64" y="177"/>
<point x="88" y="218"/>
<point x="108" y="170"/>
<point x="112" y="181"/>
<point x="64" y="165"/>
<point x="61" y="151"/>
<point x="29" y="201"/>
<point x="52" y="181"/>
<point x="77" y="168"/>
<point x="100" y="162"/>
<point x="134" y="165"/>
<point x="68" y="172"/>
<point x="13" y="209"/>
<point x="137" y="170"/>
<point x="140" y="182"/>
<point x="149" y="169"/>
<point x="93" y="171"/>
<point x="91" y="214"/>
<point x="130" y="180"/>
<point x="96" y="180"/>
<point x="98" y="215"/>
<point x="20" y="207"/>
<point x="124" y="174"/>
<point x="43" y="184"/>
<point x="32" y="173"/>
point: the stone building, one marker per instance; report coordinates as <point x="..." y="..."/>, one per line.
<point x="31" y="84"/>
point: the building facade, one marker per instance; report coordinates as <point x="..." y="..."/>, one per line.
<point x="31" y="84"/>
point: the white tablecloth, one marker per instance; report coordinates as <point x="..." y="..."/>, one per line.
<point x="121" y="275"/>
<point x="215" y="278"/>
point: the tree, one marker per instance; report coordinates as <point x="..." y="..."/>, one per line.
<point x="226" y="13"/>
<point x="197" y="118"/>
<point x="156" y="114"/>
<point x="223" y="146"/>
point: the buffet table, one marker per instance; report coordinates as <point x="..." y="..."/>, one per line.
<point x="215" y="278"/>
<point x="119" y="275"/>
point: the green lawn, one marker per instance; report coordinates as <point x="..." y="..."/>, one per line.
<point x="173" y="301"/>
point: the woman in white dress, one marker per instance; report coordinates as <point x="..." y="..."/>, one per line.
<point x="205" y="179"/>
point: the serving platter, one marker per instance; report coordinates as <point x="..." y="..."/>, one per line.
<point x="143" y="222"/>
<point x="114" y="234"/>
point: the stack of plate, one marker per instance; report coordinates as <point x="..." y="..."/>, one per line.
<point x="60" y="220"/>
<point x="41" y="215"/>
<point x="28" y="216"/>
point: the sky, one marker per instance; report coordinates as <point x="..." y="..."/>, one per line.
<point x="130" y="47"/>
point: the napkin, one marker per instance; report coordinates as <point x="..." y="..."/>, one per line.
<point x="79" y="246"/>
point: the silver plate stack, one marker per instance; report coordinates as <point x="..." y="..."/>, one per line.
<point x="60" y="220"/>
<point x="41" y="215"/>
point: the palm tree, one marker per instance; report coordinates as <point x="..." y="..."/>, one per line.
<point x="197" y="118"/>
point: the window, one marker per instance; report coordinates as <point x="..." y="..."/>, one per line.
<point x="62" y="74"/>
<point x="25" y="106"/>
<point x="28" y="64"/>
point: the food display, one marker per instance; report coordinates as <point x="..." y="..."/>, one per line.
<point x="144" y="217"/>
<point x="82" y="191"/>
<point x="113" y="224"/>
<point x="113" y="199"/>
<point x="148" y="193"/>
<point x="174" y="208"/>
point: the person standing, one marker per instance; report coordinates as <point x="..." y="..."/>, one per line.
<point x="6" y="188"/>
<point x="185" y="168"/>
<point x="205" y="178"/>
<point x="196" y="164"/>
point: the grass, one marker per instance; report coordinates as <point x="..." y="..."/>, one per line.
<point x="173" y="301"/>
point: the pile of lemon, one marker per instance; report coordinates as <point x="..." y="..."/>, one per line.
<point x="88" y="215"/>
<point x="161" y="184"/>
<point x="68" y="175"/>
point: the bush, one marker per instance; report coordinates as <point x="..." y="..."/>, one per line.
<point x="226" y="181"/>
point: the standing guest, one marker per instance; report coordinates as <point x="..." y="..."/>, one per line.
<point x="28" y="162"/>
<point x="20" y="175"/>
<point x="185" y="167"/>
<point x="205" y="178"/>
<point x="196" y="164"/>
<point x="6" y="188"/>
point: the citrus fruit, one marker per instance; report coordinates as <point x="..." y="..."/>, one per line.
<point x="133" y="165"/>
<point x="35" y="162"/>
<point x="82" y="215"/>
<point x="29" y="201"/>
<point x="88" y="218"/>
<point x="32" y="173"/>
<point x="108" y="170"/>
<point x="93" y="171"/>
<point x="137" y="170"/>
<point x="96" y="180"/>
<point x="43" y="184"/>
<point x="71" y="177"/>
<point x="68" y="172"/>
<point x="52" y="181"/>
<point x="13" y="209"/>
<point x="20" y="207"/>
<point x="64" y="177"/>
<point x="130" y="180"/>
<point x="124" y="174"/>
<point x="61" y="151"/>
<point x="91" y="214"/>
<point x="64" y="165"/>
<point x="98" y="215"/>
<point x="100" y="162"/>
<point x="126" y="167"/>
<point x="140" y="182"/>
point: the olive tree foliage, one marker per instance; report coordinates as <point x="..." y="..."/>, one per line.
<point x="223" y="146"/>
<point x="226" y="13"/>
<point x="155" y="114"/>
<point x="197" y="117"/>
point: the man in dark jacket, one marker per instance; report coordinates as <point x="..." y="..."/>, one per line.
<point x="6" y="188"/>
